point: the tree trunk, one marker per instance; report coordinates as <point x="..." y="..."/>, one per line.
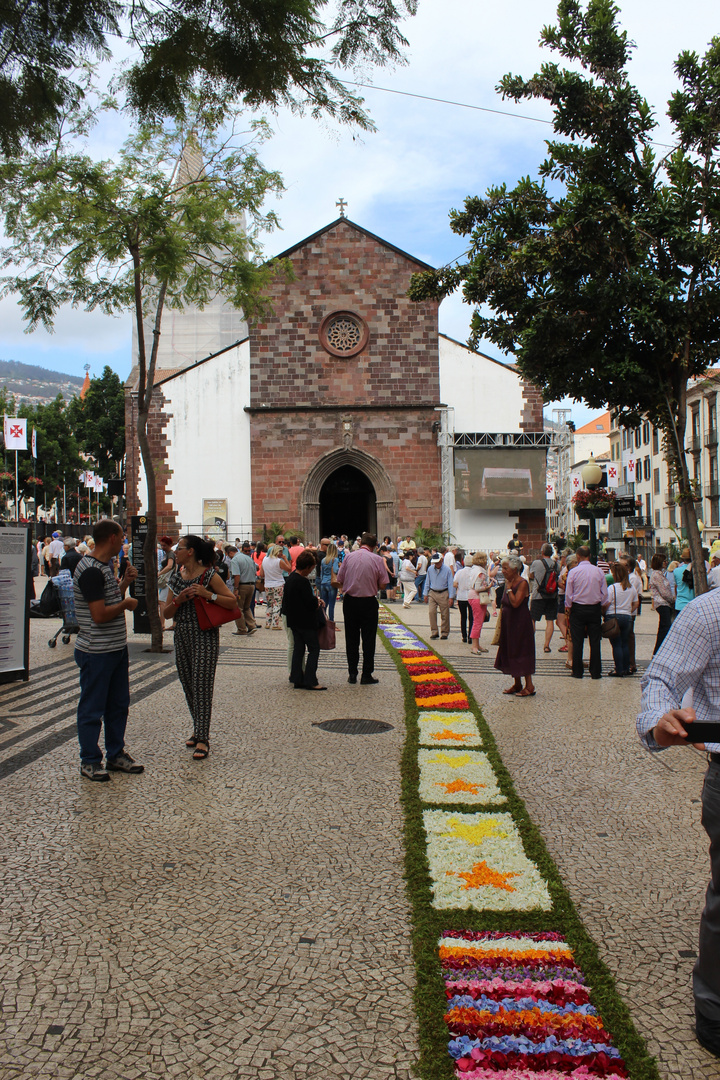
<point x="676" y="444"/>
<point x="146" y="377"/>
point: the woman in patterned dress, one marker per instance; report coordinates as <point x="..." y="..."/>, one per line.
<point x="196" y="650"/>
<point x="273" y="566"/>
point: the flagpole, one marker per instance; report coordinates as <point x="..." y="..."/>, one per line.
<point x="17" y="500"/>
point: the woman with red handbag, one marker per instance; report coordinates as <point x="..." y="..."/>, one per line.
<point x="199" y="601"/>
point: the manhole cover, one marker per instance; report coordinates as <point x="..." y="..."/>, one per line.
<point x="354" y="727"/>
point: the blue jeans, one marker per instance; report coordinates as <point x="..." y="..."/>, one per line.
<point x="329" y="595"/>
<point x="420" y="584"/>
<point x="104" y="695"/>
<point x="621" y="645"/>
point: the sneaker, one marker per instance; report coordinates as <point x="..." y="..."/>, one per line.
<point x="254" y="629"/>
<point x="124" y="763"/>
<point x="93" y="770"/>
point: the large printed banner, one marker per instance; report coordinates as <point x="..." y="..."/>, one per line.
<point x="500" y="478"/>
<point x="214" y="517"/>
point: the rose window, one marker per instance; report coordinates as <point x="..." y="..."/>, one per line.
<point x="343" y="334"/>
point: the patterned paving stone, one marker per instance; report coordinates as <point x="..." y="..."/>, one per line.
<point x="157" y="919"/>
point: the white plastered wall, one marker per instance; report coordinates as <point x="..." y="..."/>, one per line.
<point x="486" y="396"/>
<point x="208" y="436"/>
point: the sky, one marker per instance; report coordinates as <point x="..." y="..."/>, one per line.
<point x="424" y="159"/>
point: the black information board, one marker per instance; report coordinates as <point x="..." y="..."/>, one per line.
<point x="138" y="532"/>
<point x="625" y="507"/>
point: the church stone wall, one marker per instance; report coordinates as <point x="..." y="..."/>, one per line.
<point x="287" y="445"/>
<point x="345" y="269"/>
<point x="302" y="397"/>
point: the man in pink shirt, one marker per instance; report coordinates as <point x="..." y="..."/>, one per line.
<point x="361" y="576"/>
<point x="585" y="594"/>
<point x="294" y="550"/>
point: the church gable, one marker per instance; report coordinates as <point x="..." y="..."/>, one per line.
<point x="343" y="332"/>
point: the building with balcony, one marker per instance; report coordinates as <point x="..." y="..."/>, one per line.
<point x="653" y="485"/>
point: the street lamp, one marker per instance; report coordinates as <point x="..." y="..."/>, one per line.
<point x="592" y="478"/>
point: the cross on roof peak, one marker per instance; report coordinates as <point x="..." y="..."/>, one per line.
<point x="341" y="204"/>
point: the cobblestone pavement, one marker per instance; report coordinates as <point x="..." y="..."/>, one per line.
<point x="154" y="926"/>
<point x="244" y="916"/>
<point x="623" y="825"/>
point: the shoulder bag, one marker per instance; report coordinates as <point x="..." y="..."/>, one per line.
<point x="611" y="627"/>
<point x="325" y="630"/>
<point x="209" y="614"/>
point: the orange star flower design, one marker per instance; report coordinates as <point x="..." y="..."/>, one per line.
<point x="460" y="785"/>
<point x="482" y="874"/>
<point x="447" y="734"/>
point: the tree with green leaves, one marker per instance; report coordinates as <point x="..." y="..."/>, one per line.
<point x="260" y="53"/>
<point x="601" y="277"/>
<point x="98" y="422"/>
<point x="161" y="224"/>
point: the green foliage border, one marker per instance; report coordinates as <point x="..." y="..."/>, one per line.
<point x="428" y="924"/>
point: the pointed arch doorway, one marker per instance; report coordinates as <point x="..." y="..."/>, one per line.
<point x="372" y="490"/>
<point x="347" y="503"/>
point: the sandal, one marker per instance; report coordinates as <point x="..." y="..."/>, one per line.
<point x="192" y="741"/>
<point x="563" y="649"/>
<point x="200" y="754"/>
<point x="547" y="649"/>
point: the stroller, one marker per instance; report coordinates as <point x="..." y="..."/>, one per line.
<point x="62" y="585"/>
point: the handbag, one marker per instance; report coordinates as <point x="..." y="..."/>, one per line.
<point x="611" y="627"/>
<point x="209" y="615"/>
<point x="326" y="635"/>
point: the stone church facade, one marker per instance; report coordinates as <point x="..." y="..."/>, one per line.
<point x="325" y="416"/>
<point x="345" y="377"/>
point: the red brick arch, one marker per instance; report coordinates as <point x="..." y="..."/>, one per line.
<point x="385" y="494"/>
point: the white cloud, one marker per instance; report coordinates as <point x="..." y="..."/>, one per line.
<point x="426" y="157"/>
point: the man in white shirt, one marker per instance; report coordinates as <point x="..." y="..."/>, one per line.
<point x="421" y="567"/>
<point x="57" y="550"/>
<point x="449" y="560"/>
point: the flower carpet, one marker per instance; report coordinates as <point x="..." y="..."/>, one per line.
<point x="518" y="1007"/>
<point x="518" y="1003"/>
<point x="447" y="774"/>
<point x="478" y="860"/>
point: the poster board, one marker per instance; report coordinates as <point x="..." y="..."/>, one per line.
<point x="138" y="532"/>
<point x="215" y="518"/>
<point x="15" y="571"/>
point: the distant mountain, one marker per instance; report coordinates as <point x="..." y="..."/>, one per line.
<point x="28" y="382"/>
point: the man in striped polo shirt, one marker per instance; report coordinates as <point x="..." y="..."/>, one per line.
<point x="102" y="656"/>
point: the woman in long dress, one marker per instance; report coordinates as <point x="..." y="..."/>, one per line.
<point x="196" y="650"/>
<point x="516" y="652"/>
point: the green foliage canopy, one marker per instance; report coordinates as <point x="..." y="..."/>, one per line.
<point x="602" y="276"/>
<point x="261" y="53"/>
<point x="98" y="422"/>
<point x="167" y="210"/>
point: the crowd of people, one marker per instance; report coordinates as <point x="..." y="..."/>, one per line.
<point x="298" y="586"/>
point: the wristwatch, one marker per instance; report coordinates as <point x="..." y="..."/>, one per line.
<point x="212" y="598"/>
